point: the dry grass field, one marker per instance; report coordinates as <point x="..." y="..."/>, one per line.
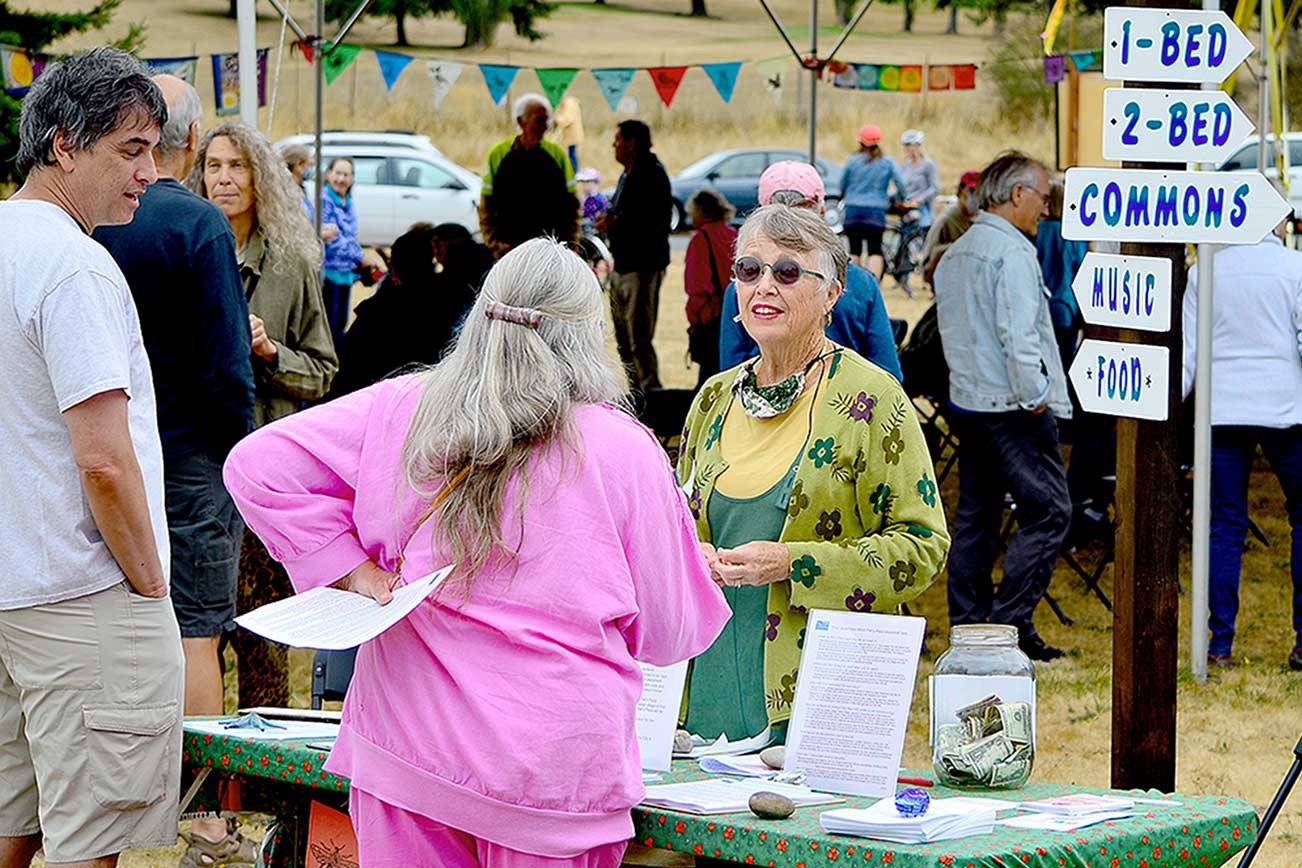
<point x="1236" y="732"/>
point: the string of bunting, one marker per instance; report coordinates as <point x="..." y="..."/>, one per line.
<point x="1055" y="65"/>
<point x="21" y="67"/>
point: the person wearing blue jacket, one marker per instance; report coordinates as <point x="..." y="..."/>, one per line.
<point x="859" y="320"/>
<point x="866" y="183"/>
<point x="343" y="253"/>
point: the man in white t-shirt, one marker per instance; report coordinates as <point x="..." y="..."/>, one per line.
<point x="90" y="653"/>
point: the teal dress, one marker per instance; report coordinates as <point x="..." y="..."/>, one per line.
<point x="726" y="690"/>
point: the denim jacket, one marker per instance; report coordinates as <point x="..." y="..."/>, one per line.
<point x="993" y="313"/>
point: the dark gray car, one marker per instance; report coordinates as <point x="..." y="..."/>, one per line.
<point x="736" y="173"/>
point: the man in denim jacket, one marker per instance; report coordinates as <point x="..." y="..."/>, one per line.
<point x="1006" y="386"/>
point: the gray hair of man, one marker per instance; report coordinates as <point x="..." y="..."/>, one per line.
<point x="182" y="115"/>
<point x="1006" y="172"/>
<point x="800" y="231"/>
<point x="506" y="389"/>
<point x="521" y="106"/>
<point x="295" y="154"/>
<point x="85" y="97"/>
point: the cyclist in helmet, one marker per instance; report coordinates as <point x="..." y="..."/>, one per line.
<point x="921" y="178"/>
<point x="866" y="182"/>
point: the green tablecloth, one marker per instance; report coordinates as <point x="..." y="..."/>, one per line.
<point x="1201" y="831"/>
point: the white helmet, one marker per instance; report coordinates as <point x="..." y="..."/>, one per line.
<point x="912" y="137"/>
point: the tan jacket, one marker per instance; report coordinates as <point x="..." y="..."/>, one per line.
<point x="286" y="296"/>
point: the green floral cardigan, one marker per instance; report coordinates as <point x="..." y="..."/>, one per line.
<point x="864" y="525"/>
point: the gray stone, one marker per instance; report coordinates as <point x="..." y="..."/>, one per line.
<point x="771" y="806"/>
<point x="774" y="757"/>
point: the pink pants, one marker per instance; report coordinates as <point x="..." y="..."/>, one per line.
<point x="390" y="837"/>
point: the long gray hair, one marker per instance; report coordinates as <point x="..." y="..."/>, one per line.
<point x="505" y="390"/>
<point x="277" y="200"/>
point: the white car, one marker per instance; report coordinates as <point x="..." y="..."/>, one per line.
<point x="366" y="138"/>
<point x="395" y="186"/>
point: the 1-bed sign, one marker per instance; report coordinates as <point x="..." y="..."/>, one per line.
<point x="1172" y="126"/>
<point x="1183" y="45"/>
<point x="1131" y="292"/>
<point x="1175" y="206"/>
<point x="1120" y="379"/>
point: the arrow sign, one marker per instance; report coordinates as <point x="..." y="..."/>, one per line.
<point x="1181" y="126"/>
<point x="1132" y="292"/>
<point x="1171" y="45"/>
<point x="1120" y="379"/>
<point x="1147" y="205"/>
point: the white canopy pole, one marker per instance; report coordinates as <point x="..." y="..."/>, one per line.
<point x="247" y="31"/>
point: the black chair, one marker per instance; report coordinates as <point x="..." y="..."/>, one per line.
<point x="331" y="672"/>
<point x="899" y="328"/>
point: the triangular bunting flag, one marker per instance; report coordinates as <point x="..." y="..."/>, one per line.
<point x="337" y="59"/>
<point x="391" y="66"/>
<point x="442" y="75"/>
<point x="965" y="77"/>
<point x="498" y="80"/>
<point x="554" y="82"/>
<point x="1083" y="60"/>
<point x="889" y="78"/>
<point x="724" y="77"/>
<point x="774" y="72"/>
<point x="305" y="48"/>
<point x="910" y="79"/>
<point x="666" y="79"/>
<point x="613" y="82"/>
<point x="938" y="78"/>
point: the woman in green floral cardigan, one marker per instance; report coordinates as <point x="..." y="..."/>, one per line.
<point x="807" y="474"/>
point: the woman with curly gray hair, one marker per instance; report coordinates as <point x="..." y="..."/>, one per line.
<point x="293" y="355"/>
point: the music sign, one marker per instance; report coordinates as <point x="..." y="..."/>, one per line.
<point x="1131" y="292"/>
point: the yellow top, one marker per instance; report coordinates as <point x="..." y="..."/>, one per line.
<point x="759" y="452"/>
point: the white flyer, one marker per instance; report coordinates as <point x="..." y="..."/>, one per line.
<point x="329" y="619"/>
<point x="852" y="700"/>
<point x="657" y="713"/>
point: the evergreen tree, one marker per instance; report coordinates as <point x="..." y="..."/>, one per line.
<point x="34" y="31"/>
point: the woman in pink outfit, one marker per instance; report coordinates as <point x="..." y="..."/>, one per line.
<point x="494" y="726"/>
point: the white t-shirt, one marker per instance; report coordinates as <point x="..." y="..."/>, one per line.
<point x="68" y="331"/>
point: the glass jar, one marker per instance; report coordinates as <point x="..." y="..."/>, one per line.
<point x="983" y="710"/>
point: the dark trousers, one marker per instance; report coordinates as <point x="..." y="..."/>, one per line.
<point x="1233" y="450"/>
<point x="703" y="345"/>
<point x="1017" y="453"/>
<point x="336" y="297"/>
<point x="634" y="303"/>
<point x="205" y="530"/>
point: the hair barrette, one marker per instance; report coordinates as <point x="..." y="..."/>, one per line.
<point x="525" y="316"/>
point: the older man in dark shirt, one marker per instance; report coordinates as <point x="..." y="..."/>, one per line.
<point x="178" y="256"/>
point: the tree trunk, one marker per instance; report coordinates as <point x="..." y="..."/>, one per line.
<point x="698" y="9"/>
<point x="908" y="16"/>
<point x="1001" y="21"/>
<point x="953" y="18"/>
<point x="400" y="15"/>
<point x="234" y="11"/>
<point x="844" y="11"/>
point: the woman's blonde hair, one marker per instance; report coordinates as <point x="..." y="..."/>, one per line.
<point x="506" y="390"/>
<point x="277" y="200"/>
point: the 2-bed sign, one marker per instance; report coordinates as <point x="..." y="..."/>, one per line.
<point x="1172" y="126"/>
<point x="1174" y="206"/>
<point x="1177" y="45"/>
<point x="1120" y="379"/>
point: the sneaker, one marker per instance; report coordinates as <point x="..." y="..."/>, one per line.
<point x="1037" y="649"/>
<point x="1220" y="661"/>
<point x="1295" y="659"/>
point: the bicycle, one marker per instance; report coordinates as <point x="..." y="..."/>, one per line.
<point x="902" y="246"/>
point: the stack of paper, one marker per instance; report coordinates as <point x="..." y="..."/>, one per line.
<point x="749" y="766"/>
<point x="944" y="820"/>
<point x="1068" y="813"/>
<point x="726" y="796"/>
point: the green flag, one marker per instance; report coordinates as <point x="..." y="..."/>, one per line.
<point x="337" y="59"/>
<point x="555" y="82"/>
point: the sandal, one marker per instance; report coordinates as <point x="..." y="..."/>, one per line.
<point x="232" y="849"/>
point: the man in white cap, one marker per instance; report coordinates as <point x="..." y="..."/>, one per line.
<point x="859" y="320"/>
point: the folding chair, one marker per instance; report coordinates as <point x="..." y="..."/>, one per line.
<point x="331" y="673"/>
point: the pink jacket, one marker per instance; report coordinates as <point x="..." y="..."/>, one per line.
<point x="510" y="716"/>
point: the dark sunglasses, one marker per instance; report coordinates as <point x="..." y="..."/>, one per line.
<point x="749" y="269"/>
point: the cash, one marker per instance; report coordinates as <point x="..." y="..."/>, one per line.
<point x="990" y="746"/>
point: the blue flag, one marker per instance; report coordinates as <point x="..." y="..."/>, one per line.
<point x="724" y="77"/>
<point x="391" y="66"/>
<point x="498" y="79"/>
<point x="613" y="83"/>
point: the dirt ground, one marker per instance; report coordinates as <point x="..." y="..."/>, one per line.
<point x="1235" y="733"/>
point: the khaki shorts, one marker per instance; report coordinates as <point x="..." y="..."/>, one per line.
<point x="91" y="691"/>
